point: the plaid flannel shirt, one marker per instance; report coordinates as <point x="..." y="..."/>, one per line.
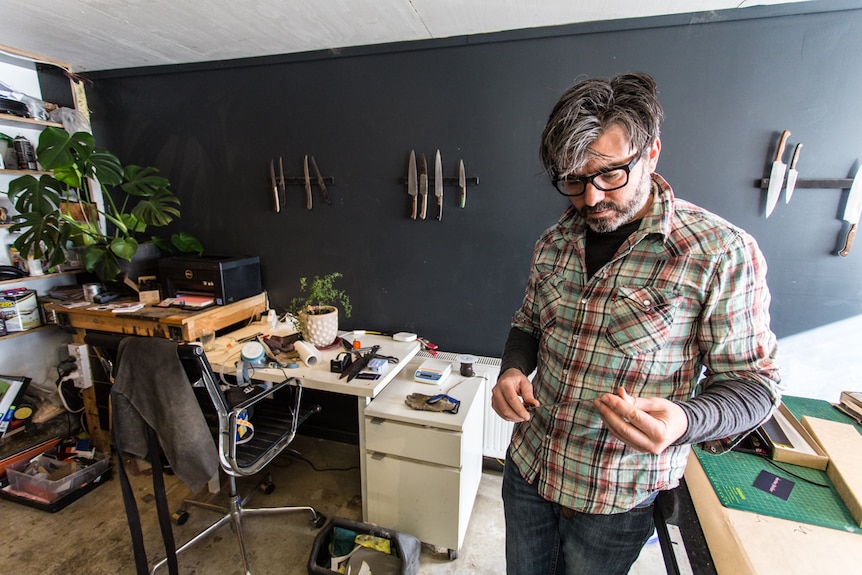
<point x="687" y="291"/>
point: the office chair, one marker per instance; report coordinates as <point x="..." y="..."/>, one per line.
<point x="275" y="424"/>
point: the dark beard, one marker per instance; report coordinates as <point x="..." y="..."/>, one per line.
<point x="627" y="212"/>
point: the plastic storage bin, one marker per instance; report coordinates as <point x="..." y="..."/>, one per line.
<point x="47" y="490"/>
<point x="405" y="548"/>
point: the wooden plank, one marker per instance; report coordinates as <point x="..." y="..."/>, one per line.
<point x="843" y="444"/>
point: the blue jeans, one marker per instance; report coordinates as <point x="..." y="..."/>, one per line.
<point x="544" y="538"/>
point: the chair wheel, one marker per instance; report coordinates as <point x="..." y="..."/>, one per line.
<point x="318" y="520"/>
<point x="266" y="486"/>
<point x="453" y="554"/>
<point x="180" y="517"/>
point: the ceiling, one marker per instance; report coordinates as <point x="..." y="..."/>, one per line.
<point x="109" y="34"/>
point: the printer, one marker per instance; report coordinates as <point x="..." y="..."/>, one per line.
<point x="225" y="279"/>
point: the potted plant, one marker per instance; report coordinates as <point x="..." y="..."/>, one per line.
<point x="56" y="210"/>
<point x="315" y="314"/>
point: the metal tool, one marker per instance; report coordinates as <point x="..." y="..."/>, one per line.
<point x="792" y="174"/>
<point x="852" y="211"/>
<point x="776" y="178"/>
<point x="438" y="184"/>
<point x="320" y="181"/>
<point x="423" y="185"/>
<point x="412" y="189"/>
<point x="276" y="203"/>
<point x="281" y="184"/>
<point x="533" y="408"/>
<point x="359" y="364"/>
<point x="462" y="182"/>
<point x="307" y="182"/>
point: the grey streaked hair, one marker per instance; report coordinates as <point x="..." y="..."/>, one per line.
<point x="588" y="108"/>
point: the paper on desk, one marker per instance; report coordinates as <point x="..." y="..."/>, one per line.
<point x="307" y="353"/>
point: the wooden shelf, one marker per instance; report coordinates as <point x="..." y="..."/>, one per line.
<point x="23" y="172"/>
<point x="37" y="278"/>
<point x="26" y="332"/>
<point x="20" y="120"/>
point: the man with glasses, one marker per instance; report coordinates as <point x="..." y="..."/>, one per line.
<point x="646" y="321"/>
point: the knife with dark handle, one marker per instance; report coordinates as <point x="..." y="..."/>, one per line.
<point x="851" y="212"/>
<point x="307" y="182"/>
<point x="281" y="184"/>
<point x="792" y="174"/>
<point x="776" y="178"/>
<point x="423" y="185"/>
<point x="438" y="184"/>
<point x="462" y="182"/>
<point x="320" y="181"/>
<point x="277" y="204"/>
<point x="412" y="189"/>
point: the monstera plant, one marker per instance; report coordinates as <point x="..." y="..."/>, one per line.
<point x="57" y="210"/>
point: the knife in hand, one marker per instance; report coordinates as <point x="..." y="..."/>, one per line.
<point x="462" y="182"/>
<point x="411" y="182"/>
<point x="320" y="181"/>
<point x="423" y="185"/>
<point x="274" y="186"/>
<point x="792" y="174"/>
<point x="438" y="184"/>
<point x="851" y="212"/>
<point x="776" y="178"/>
<point x="307" y="182"/>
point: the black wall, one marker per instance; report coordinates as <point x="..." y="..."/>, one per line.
<point x="729" y="82"/>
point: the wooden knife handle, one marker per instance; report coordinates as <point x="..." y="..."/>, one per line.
<point x="848" y="241"/>
<point x="782" y="141"/>
<point x="413" y="211"/>
<point x="424" y="206"/>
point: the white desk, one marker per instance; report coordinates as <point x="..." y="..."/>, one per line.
<point x="319" y="377"/>
<point x="425" y="466"/>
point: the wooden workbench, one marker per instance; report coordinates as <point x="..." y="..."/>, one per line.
<point x="173" y="323"/>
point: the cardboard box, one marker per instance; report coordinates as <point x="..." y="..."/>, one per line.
<point x="20" y="309"/>
<point x="802" y="448"/>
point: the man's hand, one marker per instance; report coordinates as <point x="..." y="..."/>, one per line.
<point x="512" y="391"/>
<point x="648" y="424"/>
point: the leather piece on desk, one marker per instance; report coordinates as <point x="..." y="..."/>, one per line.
<point x="843" y="444"/>
<point x="151" y="388"/>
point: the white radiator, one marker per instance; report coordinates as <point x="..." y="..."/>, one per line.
<point x="497" y="432"/>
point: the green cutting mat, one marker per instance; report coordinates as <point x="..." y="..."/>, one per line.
<point x="732" y="476"/>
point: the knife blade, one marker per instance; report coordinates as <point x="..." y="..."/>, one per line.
<point x="359" y="364"/>
<point x="281" y="184"/>
<point x="438" y="184"/>
<point x="423" y="185"/>
<point x="411" y="182"/>
<point x="852" y="211"/>
<point x="462" y="181"/>
<point x="307" y="182"/>
<point x="277" y="204"/>
<point x="776" y="178"/>
<point x="320" y="181"/>
<point x="792" y="174"/>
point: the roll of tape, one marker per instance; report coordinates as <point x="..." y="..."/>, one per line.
<point x="253" y="352"/>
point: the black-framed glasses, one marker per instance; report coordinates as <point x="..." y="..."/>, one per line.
<point x="608" y="180"/>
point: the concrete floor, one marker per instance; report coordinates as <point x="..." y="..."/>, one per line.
<point x="91" y="537"/>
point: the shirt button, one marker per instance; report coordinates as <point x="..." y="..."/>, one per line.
<point x="646" y="303"/>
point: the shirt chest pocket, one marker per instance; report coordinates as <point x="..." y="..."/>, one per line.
<point x="641" y="319"/>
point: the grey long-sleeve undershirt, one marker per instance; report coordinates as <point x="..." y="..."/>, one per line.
<point x="723" y="409"/>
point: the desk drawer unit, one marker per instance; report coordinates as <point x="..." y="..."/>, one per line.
<point x="423" y="468"/>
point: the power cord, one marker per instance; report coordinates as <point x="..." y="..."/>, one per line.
<point x="64" y="369"/>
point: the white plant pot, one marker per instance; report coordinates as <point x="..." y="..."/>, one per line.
<point x="321" y="329"/>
